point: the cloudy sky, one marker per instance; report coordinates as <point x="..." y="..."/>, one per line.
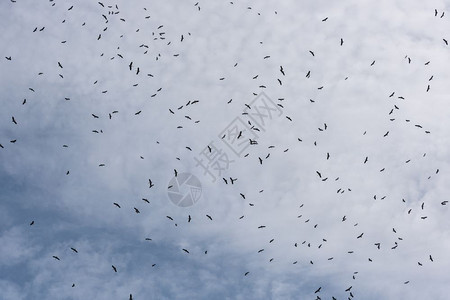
<point x="318" y="132"/>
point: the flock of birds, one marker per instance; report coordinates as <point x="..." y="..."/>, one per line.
<point x="111" y="13"/>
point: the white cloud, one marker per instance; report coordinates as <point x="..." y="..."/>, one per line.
<point x="76" y="210"/>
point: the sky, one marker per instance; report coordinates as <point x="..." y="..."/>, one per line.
<point x="224" y="150"/>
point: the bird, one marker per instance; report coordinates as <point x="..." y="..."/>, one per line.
<point x="150" y="183"/>
<point x="169" y="217"/>
<point x="209" y="217"/>
<point x="282" y="71"/>
<point x="32" y="222"/>
<point x="8" y="57"/>
<point x="116" y="204"/>
<point x="189" y="218"/>
<point x="136" y="210"/>
<point x="56" y="257"/>
<point x="318" y="290"/>
<point x="445" y="41"/>
<point x="74" y="250"/>
<point x="342" y="41"/>
<point x="360" y="236"/>
<point x="114" y="268"/>
<point x="14" y="120"/>
<point x="185" y="250"/>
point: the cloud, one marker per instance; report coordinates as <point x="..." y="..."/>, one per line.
<point x="342" y="158"/>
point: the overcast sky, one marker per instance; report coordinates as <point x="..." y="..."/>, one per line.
<point x="315" y="135"/>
